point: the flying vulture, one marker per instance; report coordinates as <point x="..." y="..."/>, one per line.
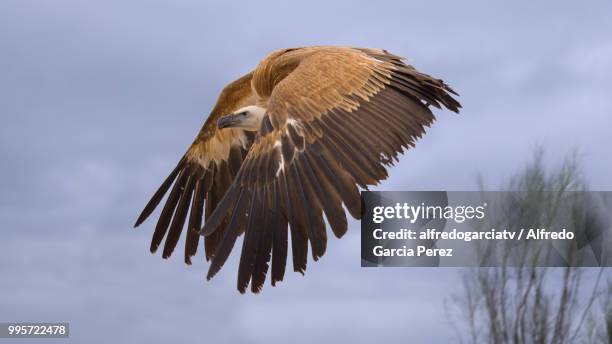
<point x="292" y="140"/>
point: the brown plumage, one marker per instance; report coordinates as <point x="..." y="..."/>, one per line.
<point x="328" y="121"/>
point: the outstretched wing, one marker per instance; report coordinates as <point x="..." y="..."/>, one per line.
<point x="332" y="124"/>
<point x="201" y="177"/>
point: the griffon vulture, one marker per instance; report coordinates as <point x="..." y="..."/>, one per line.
<point x="286" y="143"/>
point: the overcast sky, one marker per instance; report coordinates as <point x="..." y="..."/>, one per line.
<point x="99" y="100"/>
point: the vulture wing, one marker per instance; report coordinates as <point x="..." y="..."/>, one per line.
<point x="205" y="172"/>
<point x="332" y="124"/>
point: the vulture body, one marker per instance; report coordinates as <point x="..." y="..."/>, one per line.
<point x="286" y="144"/>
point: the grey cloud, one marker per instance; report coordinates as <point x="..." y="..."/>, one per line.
<point x="98" y="101"/>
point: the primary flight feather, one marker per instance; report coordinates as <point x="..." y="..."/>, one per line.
<point x="286" y="143"/>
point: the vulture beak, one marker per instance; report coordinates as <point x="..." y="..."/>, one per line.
<point x="228" y="121"/>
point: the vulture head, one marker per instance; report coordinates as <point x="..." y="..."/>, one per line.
<point x="247" y="118"/>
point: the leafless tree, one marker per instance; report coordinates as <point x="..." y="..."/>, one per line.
<point x="520" y="302"/>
